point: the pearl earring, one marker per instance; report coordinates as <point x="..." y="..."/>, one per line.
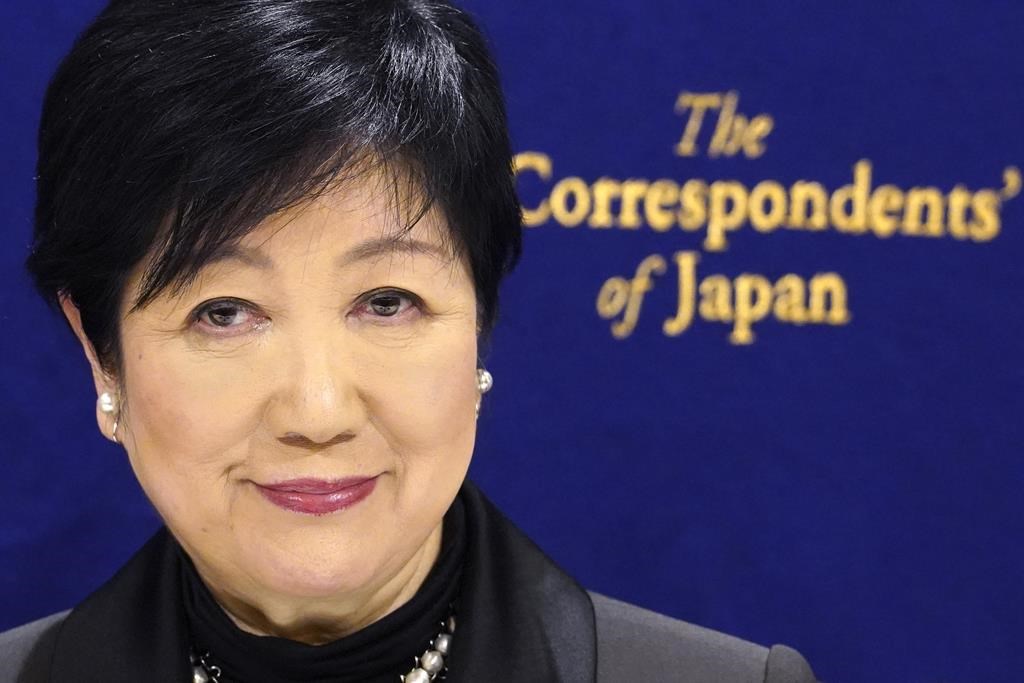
<point x="484" y="380"/>
<point x="107" y="402"/>
<point x="108" y="406"/>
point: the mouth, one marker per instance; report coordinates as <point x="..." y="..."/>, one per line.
<point x="318" y="496"/>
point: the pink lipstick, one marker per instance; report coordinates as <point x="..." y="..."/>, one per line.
<point x="318" y="496"/>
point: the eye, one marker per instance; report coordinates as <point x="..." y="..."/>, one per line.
<point x="389" y="304"/>
<point x="227" y="317"/>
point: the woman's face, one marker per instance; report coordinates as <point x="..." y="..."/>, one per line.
<point x="321" y="348"/>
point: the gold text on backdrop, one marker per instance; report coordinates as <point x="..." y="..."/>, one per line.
<point x="744" y="300"/>
<point x="719" y="209"/>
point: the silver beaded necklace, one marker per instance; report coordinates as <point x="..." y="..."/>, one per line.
<point x="428" y="667"/>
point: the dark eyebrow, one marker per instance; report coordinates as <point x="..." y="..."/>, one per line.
<point x="372" y="248"/>
<point x="384" y="246"/>
<point x="253" y="258"/>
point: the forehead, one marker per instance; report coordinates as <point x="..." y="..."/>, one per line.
<point x="373" y="212"/>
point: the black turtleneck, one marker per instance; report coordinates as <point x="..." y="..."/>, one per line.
<point x="379" y="653"/>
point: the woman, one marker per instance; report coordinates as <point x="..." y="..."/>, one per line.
<point x="277" y="228"/>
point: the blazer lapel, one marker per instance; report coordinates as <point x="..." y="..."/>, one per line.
<point x="521" y="618"/>
<point x="131" y="629"/>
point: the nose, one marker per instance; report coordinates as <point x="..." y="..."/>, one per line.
<point x="318" y="403"/>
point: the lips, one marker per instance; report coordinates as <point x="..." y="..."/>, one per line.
<point x="318" y="496"/>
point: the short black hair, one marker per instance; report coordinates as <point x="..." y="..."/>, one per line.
<point x="174" y="127"/>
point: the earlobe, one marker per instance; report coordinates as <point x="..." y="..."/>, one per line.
<point x="74" y="317"/>
<point x="105" y="385"/>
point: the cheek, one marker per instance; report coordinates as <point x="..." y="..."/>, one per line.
<point x="189" y="424"/>
<point x="430" y="405"/>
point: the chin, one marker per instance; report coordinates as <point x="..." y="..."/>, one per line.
<point x="306" y="571"/>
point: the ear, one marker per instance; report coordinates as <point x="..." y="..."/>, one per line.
<point x="103" y="381"/>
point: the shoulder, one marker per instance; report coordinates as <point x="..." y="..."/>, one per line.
<point x="17" y="644"/>
<point x="637" y="644"/>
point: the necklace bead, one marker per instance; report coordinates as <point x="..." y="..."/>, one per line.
<point x="432" y="661"/>
<point x="417" y="675"/>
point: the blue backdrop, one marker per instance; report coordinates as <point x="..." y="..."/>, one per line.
<point x="761" y="365"/>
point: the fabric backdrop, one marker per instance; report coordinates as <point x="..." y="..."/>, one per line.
<point x="760" y="367"/>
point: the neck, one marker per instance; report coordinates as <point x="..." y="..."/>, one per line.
<point x="320" y="620"/>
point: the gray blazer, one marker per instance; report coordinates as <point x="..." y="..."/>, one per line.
<point x="634" y="645"/>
